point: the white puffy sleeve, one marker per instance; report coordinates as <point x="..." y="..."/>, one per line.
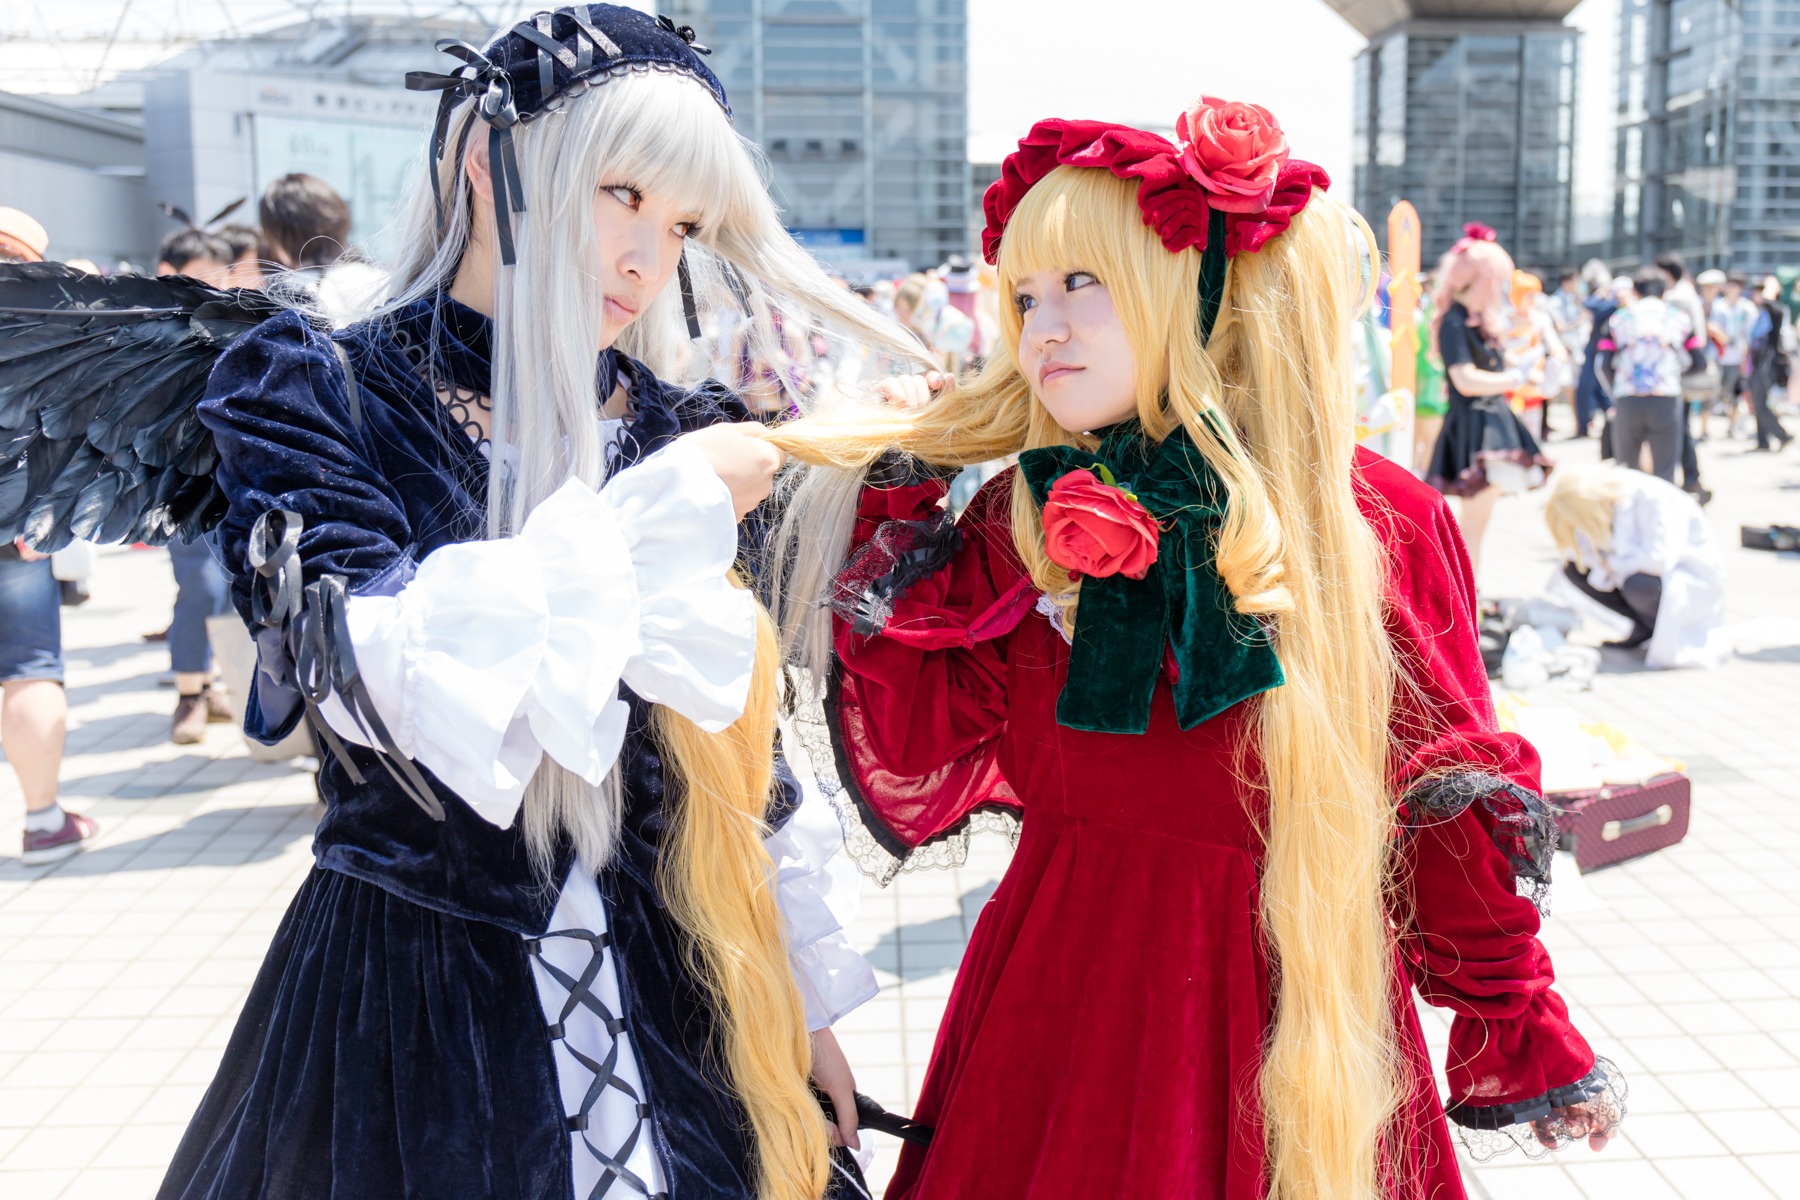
<point x="818" y="890"/>
<point x="499" y="652"/>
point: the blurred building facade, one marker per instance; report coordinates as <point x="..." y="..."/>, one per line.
<point x="1467" y="109"/>
<point x="81" y="175"/>
<point x="1708" y="132"/>
<point x="861" y="107"/>
<point x="326" y="98"/>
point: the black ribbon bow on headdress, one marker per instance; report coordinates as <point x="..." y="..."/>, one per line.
<point x="684" y="32"/>
<point x="487" y="79"/>
<point x="529" y="70"/>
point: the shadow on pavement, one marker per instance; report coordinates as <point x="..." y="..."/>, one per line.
<point x="143" y="682"/>
<point x="121" y="731"/>
<point x="218" y="838"/>
<point x="927" y="948"/>
<point x="104" y="656"/>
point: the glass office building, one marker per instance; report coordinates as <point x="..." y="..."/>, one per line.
<point x="1471" y="118"/>
<point x="1708" y="142"/>
<point x="862" y="109"/>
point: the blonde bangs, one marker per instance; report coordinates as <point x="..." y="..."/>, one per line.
<point x="1081" y="219"/>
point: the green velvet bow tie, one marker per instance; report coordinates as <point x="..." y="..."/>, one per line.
<point x="1123" y="625"/>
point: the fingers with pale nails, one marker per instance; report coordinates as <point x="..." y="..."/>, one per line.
<point x="913" y="391"/>
<point x="742" y="457"/>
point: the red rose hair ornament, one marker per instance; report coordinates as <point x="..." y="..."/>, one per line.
<point x="1233" y="161"/>
<point x="1228" y="188"/>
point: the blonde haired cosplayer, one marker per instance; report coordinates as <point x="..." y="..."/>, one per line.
<point x="1581" y="505"/>
<point x="1267" y="401"/>
<point x="664" y="133"/>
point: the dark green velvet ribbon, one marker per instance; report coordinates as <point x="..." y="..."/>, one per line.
<point x="1212" y="275"/>
<point x="1124" y="625"/>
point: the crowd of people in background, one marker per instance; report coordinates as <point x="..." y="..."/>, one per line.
<point x="1694" y="356"/>
<point x="1652" y="364"/>
<point x="301" y="242"/>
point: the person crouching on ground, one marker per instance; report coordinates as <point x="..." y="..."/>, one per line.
<point x="1640" y="547"/>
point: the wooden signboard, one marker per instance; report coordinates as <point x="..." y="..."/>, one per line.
<point x="1403" y="296"/>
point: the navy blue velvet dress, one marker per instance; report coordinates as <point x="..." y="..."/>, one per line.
<point x="393" y="1044"/>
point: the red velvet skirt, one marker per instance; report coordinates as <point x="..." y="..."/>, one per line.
<point x="1105" y="1031"/>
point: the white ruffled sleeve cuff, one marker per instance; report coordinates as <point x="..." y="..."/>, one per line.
<point x="697" y="631"/>
<point x="500" y="652"/>
<point x="818" y="889"/>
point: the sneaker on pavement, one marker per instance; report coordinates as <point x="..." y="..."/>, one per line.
<point x="189" y="723"/>
<point x="42" y="849"/>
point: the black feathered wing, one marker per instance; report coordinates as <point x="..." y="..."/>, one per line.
<point x="100" y="377"/>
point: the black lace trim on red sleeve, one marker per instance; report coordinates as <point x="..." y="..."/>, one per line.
<point x="877" y="851"/>
<point x="1545" y="1123"/>
<point x="1525" y="827"/>
<point x="887" y="566"/>
<point x="895" y="469"/>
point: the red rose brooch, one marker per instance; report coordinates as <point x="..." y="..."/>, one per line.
<point x="1095" y="528"/>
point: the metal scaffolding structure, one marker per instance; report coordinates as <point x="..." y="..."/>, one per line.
<point x="52" y="48"/>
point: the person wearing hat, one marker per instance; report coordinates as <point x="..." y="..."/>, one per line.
<point x="34" y="709"/>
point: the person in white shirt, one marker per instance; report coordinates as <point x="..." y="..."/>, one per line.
<point x="1640" y="547"/>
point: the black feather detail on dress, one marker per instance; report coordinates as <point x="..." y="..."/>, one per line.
<point x="99" y="379"/>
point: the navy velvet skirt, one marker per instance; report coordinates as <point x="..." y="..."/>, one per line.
<point x="380" y="1056"/>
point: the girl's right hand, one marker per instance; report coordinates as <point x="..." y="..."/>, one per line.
<point x="742" y="458"/>
<point x="913" y="391"/>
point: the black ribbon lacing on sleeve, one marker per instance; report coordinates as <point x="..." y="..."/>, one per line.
<point x="326" y="662"/>
<point x="274" y="555"/>
<point x="324" y="658"/>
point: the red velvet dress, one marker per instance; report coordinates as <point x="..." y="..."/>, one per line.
<point x="1103" y="1034"/>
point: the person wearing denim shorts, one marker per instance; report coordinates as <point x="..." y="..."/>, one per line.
<point x="33" y="709"/>
<point x="34" y="712"/>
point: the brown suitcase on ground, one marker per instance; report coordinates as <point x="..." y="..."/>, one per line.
<point x="1611" y="824"/>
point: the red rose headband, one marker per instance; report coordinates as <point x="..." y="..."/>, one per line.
<point x="1228" y="187"/>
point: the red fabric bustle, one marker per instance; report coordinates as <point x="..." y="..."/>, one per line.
<point x="1104" y="1033"/>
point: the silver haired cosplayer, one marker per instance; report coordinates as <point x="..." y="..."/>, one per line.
<point x="571" y="931"/>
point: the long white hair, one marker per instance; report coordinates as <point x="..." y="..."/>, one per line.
<point x="662" y="132"/>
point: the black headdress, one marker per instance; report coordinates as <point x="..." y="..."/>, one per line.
<point x="533" y="68"/>
<point x="99" y="377"/>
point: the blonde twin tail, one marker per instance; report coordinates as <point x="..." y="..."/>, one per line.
<point x="1331" y="1078"/>
<point x="719" y="886"/>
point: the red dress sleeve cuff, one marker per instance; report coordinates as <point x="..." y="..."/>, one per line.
<point x="1515" y="1060"/>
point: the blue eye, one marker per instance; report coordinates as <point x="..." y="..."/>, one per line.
<point x="1078" y="279"/>
<point x="1023" y="303"/>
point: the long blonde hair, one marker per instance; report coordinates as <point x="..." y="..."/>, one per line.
<point x="1269" y="404"/>
<point x="663" y="132"/>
